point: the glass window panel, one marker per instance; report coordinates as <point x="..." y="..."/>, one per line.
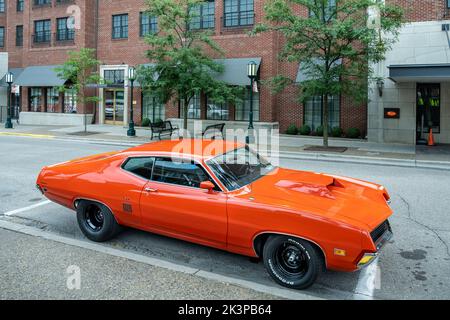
<point x="194" y="111"/>
<point x="152" y="108"/>
<point x="242" y="112"/>
<point x="52" y="100"/>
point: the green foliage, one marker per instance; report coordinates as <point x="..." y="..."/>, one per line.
<point x="292" y="130"/>
<point x="353" y="133"/>
<point x="337" y="132"/>
<point x="329" y="36"/>
<point x="145" y="122"/>
<point x="80" y="70"/>
<point x="182" y="64"/>
<point x="158" y="121"/>
<point x="319" y="131"/>
<point x="305" y="130"/>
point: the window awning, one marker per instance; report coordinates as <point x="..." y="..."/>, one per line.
<point x="420" y="73"/>
<point x="16" y="73"/>
<point x="235" y="70"/>
<point x="304" y="74"/>
<point x="40" y="76"/>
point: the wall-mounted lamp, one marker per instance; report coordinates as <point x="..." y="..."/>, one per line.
<point x="380" y="86"/>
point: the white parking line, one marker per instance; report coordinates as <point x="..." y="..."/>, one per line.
<point x="33" y="206"/>
<point x="368" y="281"/>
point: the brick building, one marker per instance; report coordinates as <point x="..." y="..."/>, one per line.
<point x="36" y="35"/>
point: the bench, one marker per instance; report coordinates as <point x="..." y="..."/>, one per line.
<point x="161" y="128"/>
<point x="216" y="129"/>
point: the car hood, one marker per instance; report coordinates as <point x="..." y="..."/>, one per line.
<point x="355" y="202"/>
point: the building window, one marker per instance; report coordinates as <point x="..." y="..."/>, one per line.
<point x="19" y="36"/>
<point x="115" y="77"/>
<point x="202" y="16"/>
<point x="42" y="2"/>
<point x="152" y="108"/>
<point x="2" y="6"/>
<point x="63" y="33"/>
<point x="35" y="99"/>
<point x="120" y="26"/>
<point x="42" y="31"/>
<point x="2" y="37"/>
<point x="428" y="107"/>
<point x="314" y="112"/>
<point x="216" y="111"/>
<point x="70" y="100"/>
<point x="329" y="10"/>
<point x="243" y="108"/>
<point x="448" y="4"/>
<point x="148" y="24"/>
<point x="194" y="111"/>
<point x="52" y="100"/>
<point x="238" y="13"/>
<point x="20" y="5"/>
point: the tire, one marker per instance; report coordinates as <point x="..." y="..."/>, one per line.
<point x="96" y="221"/>
<point x="293" y="263"/>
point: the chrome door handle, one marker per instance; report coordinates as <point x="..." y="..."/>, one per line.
<point x="150" y="190"/>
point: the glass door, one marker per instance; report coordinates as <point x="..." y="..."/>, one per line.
<point x="114" y="106"/>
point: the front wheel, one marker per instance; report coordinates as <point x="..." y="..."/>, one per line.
<point x="96" y="221"/>
<point x="293" y="263"/>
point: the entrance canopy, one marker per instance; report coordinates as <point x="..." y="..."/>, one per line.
<point x="16" y="73"/>
<point x="40" y="76"/>
<point x="420" y="73"/>
<point x="235" y="70"/>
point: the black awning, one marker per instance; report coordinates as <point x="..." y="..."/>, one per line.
<point x="420" y="72"/>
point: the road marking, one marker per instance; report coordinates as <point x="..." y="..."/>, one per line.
<point x="31" y="135"/>
<point x="368" y="281"/>
<point x="33" y="206"/>
<point x="275" y="291"/>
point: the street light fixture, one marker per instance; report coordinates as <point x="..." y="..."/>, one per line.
<point x="9" y="80"/>
<point x="131" y="77"/>
<point x="252" y="71"/>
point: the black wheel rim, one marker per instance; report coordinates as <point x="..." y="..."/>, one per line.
<point x="94" y="218"/>
<point x="291" y="260"/>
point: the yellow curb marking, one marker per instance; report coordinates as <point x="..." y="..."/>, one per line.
<point x="17" y="134"/>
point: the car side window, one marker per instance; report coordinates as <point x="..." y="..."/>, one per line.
<point x="140" y="166"/>
<point x="179" y="172"/>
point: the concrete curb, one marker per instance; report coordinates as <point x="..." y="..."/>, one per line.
<point x="275" y="291"/>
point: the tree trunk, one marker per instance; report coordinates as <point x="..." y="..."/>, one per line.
<point x="185" y="120"/>
<point x="325" y="119"/>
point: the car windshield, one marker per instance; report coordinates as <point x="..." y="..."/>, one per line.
<point x="239" y="167"/>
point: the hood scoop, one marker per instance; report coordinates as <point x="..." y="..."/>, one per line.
<point x="309" y="183"/>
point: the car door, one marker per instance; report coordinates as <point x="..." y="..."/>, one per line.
<point x="174" y="203"/>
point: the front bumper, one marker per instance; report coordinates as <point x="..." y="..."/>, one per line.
<point x="370" y="257"/>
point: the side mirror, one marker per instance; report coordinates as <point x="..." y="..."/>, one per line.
<point x="207" y="185"/>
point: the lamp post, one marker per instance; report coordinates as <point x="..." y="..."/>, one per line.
<point x="251" y="73"/>
<point x="131" y="77"/>
<point x="9" y="80"/>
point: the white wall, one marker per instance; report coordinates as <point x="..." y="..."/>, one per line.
<point x="419" y="43"/>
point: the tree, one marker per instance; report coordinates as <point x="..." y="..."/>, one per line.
<point x="334" y="45"/>
<point x="181" y="55"/>
<point x="79" y="70"/>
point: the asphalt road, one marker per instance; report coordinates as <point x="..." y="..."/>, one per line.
<point x="415" y="265"/>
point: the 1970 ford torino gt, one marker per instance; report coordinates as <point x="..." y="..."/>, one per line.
<point x="224" y="195"/>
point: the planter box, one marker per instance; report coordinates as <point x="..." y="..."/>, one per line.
<point x="54" y="119"/>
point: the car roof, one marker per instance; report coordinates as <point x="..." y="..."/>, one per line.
<point x="198" y="148"/>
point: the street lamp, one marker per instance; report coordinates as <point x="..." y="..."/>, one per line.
<point x="131" y="77"/>
<point x="252" y="70"/>
<point x="9" y="80"/>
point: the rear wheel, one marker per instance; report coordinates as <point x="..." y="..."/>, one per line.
<point x="293" y="263"/>
<point x="96" y="221"/>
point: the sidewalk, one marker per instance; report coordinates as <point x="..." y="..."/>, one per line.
<point x="358" y="151"/>
<point x="36" y="268"/>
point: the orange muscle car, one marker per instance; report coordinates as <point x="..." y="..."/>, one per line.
<point x="224" y="195"/>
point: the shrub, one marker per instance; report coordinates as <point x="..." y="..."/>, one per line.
<point x="292" y="130"/>
<point x="353" y="133"/>
<point x="145" y="122"/>
<point x="336" y="132"/>
<point x="158" y="121"/>
<point x="305" y="130"/>
<point x="319" y="131"/>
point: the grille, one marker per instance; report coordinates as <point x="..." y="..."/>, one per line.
<point x="380" y="230"/>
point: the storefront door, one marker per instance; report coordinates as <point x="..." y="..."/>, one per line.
<point x="428" y="110"/>
<point x="114" y="106"/>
